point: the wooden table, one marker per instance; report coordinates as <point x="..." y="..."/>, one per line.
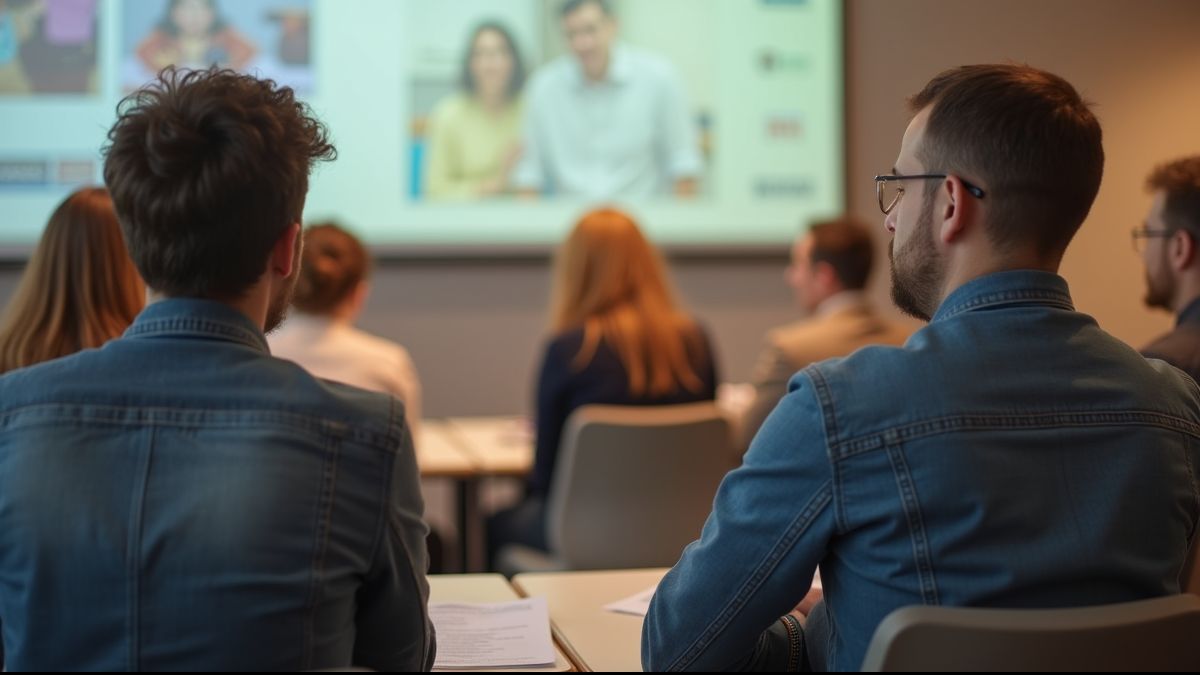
<point x="595" y="639"/>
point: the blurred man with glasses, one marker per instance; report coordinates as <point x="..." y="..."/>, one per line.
<point x="1168" y="243"/>
<point x="1010" y="454"/>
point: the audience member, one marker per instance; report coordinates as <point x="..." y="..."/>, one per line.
<point x="831" y="265"/>
<point x="180" y="500"/>
<point x="79" y="289"/>
<point x="1010" y="454"/>
<point x="618" y="338"/>
<point x="1168" y="244"/>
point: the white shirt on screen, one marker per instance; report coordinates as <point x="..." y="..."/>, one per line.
<point x="627" y="136"/>
<point x="335" y="350"/>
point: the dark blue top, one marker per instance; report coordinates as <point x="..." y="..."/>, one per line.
<point x="562" y="388"/>
<point x="1181" y="347"/>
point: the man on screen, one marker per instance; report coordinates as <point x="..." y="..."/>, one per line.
<point x="607" y="120"/>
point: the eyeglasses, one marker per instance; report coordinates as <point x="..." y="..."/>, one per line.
<point x="1141" y="234"/>
<point x="889" y="190"/>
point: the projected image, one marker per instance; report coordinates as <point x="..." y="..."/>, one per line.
<point x="474" y="135"/>
<point x="48" y="47"/>
<point x="468" y="125"/>
<point x="600" y="118"/>
<point x="270" y="38"/>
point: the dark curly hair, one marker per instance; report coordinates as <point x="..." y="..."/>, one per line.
<point x="207" y="169"/>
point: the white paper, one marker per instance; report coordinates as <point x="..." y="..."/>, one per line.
<point x="492" y="635"/>
<point x="637" y="605"/>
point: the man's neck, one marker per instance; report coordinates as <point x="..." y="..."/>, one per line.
<point x="838" y="302"/>
<point x="968" y="270"/>
<point x="253" y="304"/>
<point x="1187" y="292"/>
<point x="604" y="71"/>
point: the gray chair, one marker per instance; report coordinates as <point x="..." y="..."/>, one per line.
<point x="631" y="488"/>
<point x="1158" y="634"/>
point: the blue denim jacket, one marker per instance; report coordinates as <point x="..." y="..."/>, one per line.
<point x="178" y="499"/>
<point x="1011" y="454"/>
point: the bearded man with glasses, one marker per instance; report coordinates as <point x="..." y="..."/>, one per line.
<point x="1167" y="243"/>
<point x="1010" y="454"/>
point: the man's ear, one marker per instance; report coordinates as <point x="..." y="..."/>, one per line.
<point x="956" y="210"/>
<point x="1183" y="250"/>
<point x="286" y="253"/>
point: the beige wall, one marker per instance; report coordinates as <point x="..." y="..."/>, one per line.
<point x="475" y="329"/>
<point x="1139" y="62"/>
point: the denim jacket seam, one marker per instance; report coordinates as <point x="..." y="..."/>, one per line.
<point x="199" y="326"/>
<point x="829" y="419"/>
<point x="918" y="536"/>
<point x="183" y="417"/>
<point x="397" y="426"/>
<point x="800" y="524"/>
<point x="385" y="490"/>
<point x="878" y="440"/>
<point x="1052" y="297"/>
<point x="136" y="520"/>
<point x="1187" y="461"/>
<point x="415" y="584"/>
<point x="323" y="526"/>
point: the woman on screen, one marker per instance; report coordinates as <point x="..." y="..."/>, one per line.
<point x="320" y="335"/>
<point x="192" y="34"/>
<point x="474" y="135"/>
<point x="618" y="338"/>
<point x="79" y="290"/>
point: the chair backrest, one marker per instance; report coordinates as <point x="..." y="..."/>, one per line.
<point x="1158" y="634"/>
<point x="633" y="485"/>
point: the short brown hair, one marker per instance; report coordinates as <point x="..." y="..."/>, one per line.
<point x="569" y="7"/>
<point x="1180" y="180"/>
<point x="334" y="264"/>
<point x="845" y="245"/>
<point x="79" y="289"/>
<point x="207" y="169"/>
<point x="1027" y="138"/>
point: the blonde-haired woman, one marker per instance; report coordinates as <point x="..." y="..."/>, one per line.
<point x="618" y="338"/>
<point x="79" y="290"/>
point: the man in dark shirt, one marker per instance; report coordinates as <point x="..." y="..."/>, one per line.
<point x="1168" y="242"/>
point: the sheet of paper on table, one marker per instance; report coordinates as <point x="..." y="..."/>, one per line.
<point x="492" y="635"/>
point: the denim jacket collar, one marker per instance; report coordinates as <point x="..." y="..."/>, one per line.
<point x="1190" y="314"/>
<point x="175" y="317"/>
<point x="1006" y="288"/>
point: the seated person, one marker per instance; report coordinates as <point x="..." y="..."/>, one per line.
<point x="1168" y="243"/>
<point x="320" y="334"/>
<point x="474" y="135"/>
<point x="831" y="265"/>
<point x="1010" y="454"/>
<point x="79" y="289"/>
<point x="619" y="338"/>
<point x="180" y="499"/>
